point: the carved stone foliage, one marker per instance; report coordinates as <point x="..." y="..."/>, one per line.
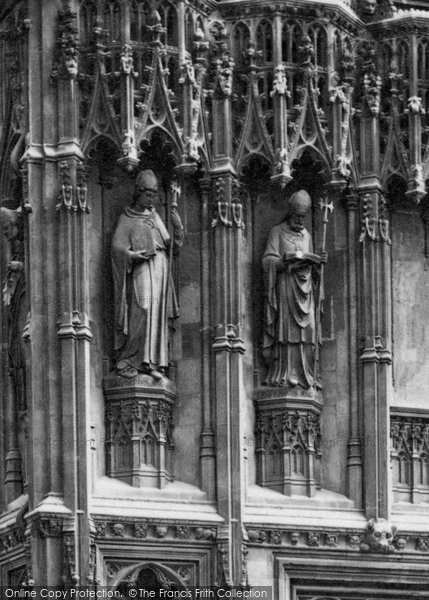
<point x="13" y="40"/>
<point x="49" y="527"/>
<point x="127" y="91"/>
<point x="139" y="429"/>
<point x="12" y="539"/>
<point x="369" y="82"/>
<point x="287" y="447"/>
<point x="69" y="549"/>
<point x="67" y="52"/>
<point x="409" y="438"/>
<point x="222" y="61"/>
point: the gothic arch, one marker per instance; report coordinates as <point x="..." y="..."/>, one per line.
<point x="159" y="135"/>
<point x="130" y="575"/>
<point x="240" y="42"/>
<point x="101" y="147"/>
<point x="316" y="156"/>
<point x="264" y="40"/>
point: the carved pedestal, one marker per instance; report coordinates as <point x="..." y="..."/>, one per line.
<point x="288" y="440"/>
<point x="139" y="425"/>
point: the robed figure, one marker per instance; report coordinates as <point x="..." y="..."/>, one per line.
<point x="145" y="299"/>
<point x="291" y="274"/>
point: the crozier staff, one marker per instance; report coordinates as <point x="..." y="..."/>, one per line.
<point x="145" y="299"/>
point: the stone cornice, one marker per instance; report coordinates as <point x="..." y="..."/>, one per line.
<point x="344" y="16"/>
<point x="124" y="529"/>
<point x="331" y="539"/>
<point x="205" y="7"/>
<point x="414" y="21"/>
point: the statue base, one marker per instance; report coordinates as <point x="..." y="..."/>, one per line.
<point x="139" y="427"/>
<point x="288" y="439"/>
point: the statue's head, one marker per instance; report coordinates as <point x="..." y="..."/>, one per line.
<point x="10" y="223"/>
<point x="369" y="6"/>
<point x="298" y="207"/>
<point x="146" y="189"/>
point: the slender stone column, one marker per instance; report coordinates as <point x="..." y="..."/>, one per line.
<point x="354" y="459"/>
<point x="376" y="353"/>
<point x="225" y="315"/>
<point x="207" y="440"/>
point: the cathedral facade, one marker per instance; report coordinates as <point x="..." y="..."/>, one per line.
<point x="214" y="316"/>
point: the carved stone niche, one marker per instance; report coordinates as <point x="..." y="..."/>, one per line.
<point x="288" y="440"/>
<point x="409" y="454"/>
<point x="139" y="426"/>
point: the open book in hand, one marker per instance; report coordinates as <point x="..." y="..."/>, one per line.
<point x="301" y="257"/>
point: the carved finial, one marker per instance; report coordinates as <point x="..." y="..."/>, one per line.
<point x="67" y="53"/>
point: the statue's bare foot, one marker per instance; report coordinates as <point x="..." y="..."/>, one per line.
<point x="156" y="374"/>
<point x="128" y="372"/>
<point x="293" y="380"/>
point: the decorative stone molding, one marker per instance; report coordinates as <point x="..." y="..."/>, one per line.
<point x="139" y="428"/>
<point x="73" y="191"/>
<point x="49" y="527"/>
<point x="409" y="436"/>
<point x="11" y="540"/>
<point x="131" y="529"/>
<point x="337" y="540"/>
<point x="222" y="61"/>
<point x="288" y="440"/>
<point x="170" y="574"/>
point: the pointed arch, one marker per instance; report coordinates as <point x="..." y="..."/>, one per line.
<point x="286" y="43"/>
<point x="189" y="29"/>
<point x="159" y="151"/>
<point x="264" y="40"/>
<point x="387" y="57"/>
<point x="171" y="25"/>
<point x="254" y="137"/>
<point x="338" y="51"/>
<point x="240" y="43"/>
<point x="145" y="574"/>
<point x="87" y="15"/>
<point x="102" y="151"/>
<point x="310" y="169"/>
<point x="396" y="187"/>
<point x="403" y="59"/>
<point x="297" y="34"/>
<point x="321" y="46"/>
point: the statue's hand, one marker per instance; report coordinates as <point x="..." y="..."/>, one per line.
<point x="324" y="257"/>
<point x="175" y="218"/>
<point x="139" y="256"/>
<point x="15" y="265"/>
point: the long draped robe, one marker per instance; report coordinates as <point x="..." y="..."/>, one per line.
<point x="290" y="332"/>
<point x="144" y="294"/>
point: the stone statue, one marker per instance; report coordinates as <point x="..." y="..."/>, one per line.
<point x="291" y="272"/>
<point x="145" y="299"/>
<point x="368" y="6"/>
<point x="16" y="318"/>
<point x="13" y="298"/>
